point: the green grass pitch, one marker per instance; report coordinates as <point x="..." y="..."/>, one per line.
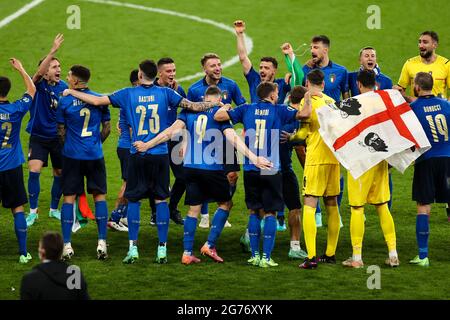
<point x="112" y="40"/>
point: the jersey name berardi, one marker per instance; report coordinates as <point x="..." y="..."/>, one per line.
<point x="261" y="112"/>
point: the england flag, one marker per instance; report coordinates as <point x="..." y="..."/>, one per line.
<point x="371" y="127"/>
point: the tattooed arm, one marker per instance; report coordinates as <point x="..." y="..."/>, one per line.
<point x="196" y="106"/>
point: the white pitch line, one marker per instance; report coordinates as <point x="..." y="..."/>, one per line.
<point x="226" y="64"/>
<point x="20" y="12"/>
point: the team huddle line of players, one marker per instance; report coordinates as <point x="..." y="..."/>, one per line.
<point x="70" y="122"/>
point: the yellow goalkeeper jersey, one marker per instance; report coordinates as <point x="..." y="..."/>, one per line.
<point x="317" y="152"/>
<point x="439" y="69"/>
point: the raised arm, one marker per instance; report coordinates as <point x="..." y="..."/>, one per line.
<point x="16" y="64"/>
<point x="161" y="137"/>
<point x="240" y="146"/>
<point x="287" y="50"/>
<point x="293" y="65"/>
<point x="196" y="106"/>
<point x="45" y="64"/>
<point x="239" y="27"/>
<point x="88" y="98"/>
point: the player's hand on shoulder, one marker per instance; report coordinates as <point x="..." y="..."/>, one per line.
<point x="239" y="26"/>
<point x="66" y="92"/>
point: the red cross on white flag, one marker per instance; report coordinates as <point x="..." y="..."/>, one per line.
<point x="371" y="127"/>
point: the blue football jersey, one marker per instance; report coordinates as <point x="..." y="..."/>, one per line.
<point x="173" y="111"/>
<point x="146" y="110"/>
<point x="82" y="122"/>
<point x="125" y="137"/>
<point x="434" y="116"/>
<point x="205" y="139"/>
<point x="253" y="80"/>
<point x="42" y="121"/>
<point x="336" y="79"/>
<point x="11" y="114"/>
<point x="263" y="122"/>
<point x="287" y="147"/>
<point x="230" y="91"/>
<point x="382" y="82"/>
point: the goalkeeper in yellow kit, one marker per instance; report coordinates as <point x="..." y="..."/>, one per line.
<point x="373" y="188"/>
<point x="320" y="178"/>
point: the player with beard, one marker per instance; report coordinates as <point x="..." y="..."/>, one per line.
<point x="426" y="61"/>
<point x="267" y="68"/>
<point x="212" y="67"/>
<point x="431" y="170"/>
<point x="336" y="76"/>
<point x="336" y="84"/>
<point x="205" y="177"/>
<point x="430" y="62"/>
<point x="320" y="176"/>
<point x="371" y="188"/>
<point x="148" y="173"/>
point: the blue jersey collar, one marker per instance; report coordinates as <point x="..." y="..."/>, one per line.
<point x="157" y="84"/>
<point x="376" y="70"/>
<point x="50" y="84"/>
<point x="4" y="102"/>
<point x="428" y="96"/>
<point x="206" y="83"/>
<point x="82" y="89"/>
<point x="330" y="64"/>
